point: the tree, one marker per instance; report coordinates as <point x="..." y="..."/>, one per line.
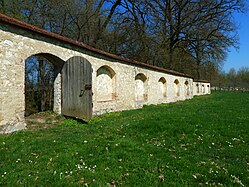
<point x="191" y="36"/>
<point x="232" y="78"/>
<point x="243" y="78"/>
<point x="167" y="24"/>
<point x="216" y="31"/>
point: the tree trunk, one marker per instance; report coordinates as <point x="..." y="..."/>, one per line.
<point x="106" y="22"/>
<point x="41" y="85"/>
<point x="171" y="57"/>
<point x="198" y="66"/>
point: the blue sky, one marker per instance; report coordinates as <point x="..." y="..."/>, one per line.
<point x="240" y="57"/>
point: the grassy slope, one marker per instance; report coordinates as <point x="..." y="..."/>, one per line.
<point x="191" y="143"/>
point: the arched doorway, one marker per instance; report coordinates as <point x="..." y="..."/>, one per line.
<point x="42" y="71"/>
<point x="77" y="88"/>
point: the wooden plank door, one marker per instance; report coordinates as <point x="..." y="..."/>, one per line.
<point x="77" y="88"/>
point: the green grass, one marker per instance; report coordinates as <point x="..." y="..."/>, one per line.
<point x="203" y="141"/>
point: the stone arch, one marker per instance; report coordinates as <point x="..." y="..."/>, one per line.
<point x="177" y="87"/>
<point x="141" y="87"/>
<point x="162" y="86"/>
<point x="105" y="84"/>
<point x="49" y="67"/>
<point x="187" y="88"/>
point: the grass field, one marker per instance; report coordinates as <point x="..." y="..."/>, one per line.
<point x="203" y="141"/>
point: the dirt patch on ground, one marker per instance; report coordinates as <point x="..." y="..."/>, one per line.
<point x="43" y="120"/>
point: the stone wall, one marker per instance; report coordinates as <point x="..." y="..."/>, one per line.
<point x="201" y="87"/>
<point x="126" y="85"/>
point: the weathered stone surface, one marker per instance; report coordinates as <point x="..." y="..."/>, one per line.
<point x="122" y="90"/>
<point x="1" y="117"/>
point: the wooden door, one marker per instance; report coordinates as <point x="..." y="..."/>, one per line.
<point x="77" y="88"/>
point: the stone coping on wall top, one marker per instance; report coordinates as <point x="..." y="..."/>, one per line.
<point x="26" y="26"/>
<point x="203" y="81"/>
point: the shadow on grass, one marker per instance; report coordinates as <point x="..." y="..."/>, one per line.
<point x="76" y="119"/>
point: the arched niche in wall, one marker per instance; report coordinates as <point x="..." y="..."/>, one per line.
<point x="203" y="88"/>
<point x="187" y="88"/>
<point x="141" y="87"/>
<point x="208" y="89"/>
<point x="177" y="87"/>
<point x="105" y="84"/>
<point x="197" y="88"/>
<point x="162" y="86"/>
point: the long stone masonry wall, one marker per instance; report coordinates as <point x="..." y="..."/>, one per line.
<point x="117" y="83"/>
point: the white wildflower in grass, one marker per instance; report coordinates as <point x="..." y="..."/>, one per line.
<point x="60" y="174"/>
<point x="4" y="174"/>
<point x="126" y="174"/>
<point x="3" y="143"/>
<point x="79" y="166"/>
<point x="236" y="180"/>
<point x="195" y="176"/>
<point x="85" y="141"/>
<point x="235" y="139"/>
<point x="30" y="161"/>
<point x="228" y="142"/>
<point x="210" y="170"/>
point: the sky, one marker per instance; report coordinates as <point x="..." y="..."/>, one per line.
<point x="239" y="58"/>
